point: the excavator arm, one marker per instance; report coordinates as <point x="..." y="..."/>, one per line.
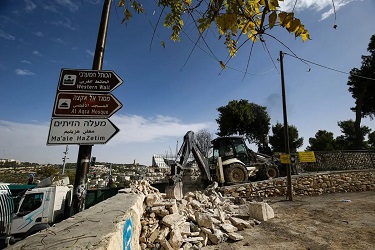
<point x="189" y="145"/>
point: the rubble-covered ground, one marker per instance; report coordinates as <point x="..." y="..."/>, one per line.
<point x="330" y="221"/>
<point x="200" y="219"/>
<point x="206" y="220"/>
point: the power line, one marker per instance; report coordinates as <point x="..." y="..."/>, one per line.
<point x="329" y="68"/>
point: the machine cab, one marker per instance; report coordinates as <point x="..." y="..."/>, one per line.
<point x="230" y="147"/>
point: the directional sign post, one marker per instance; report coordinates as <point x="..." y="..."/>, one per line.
<point x="102" y="81"/>
<point x="80" y="131"/>
<point x="85" y="105"/>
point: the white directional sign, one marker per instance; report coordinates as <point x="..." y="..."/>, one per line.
<point x="80" y="131"/>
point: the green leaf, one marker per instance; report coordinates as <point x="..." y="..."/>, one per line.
<point x="162" y="44"/>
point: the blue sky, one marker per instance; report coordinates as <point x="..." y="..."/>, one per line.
<point x="165" y="92"/>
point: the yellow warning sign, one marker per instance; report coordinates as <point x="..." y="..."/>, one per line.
<point x="285" y="158"/>
<point x="307" y="156"/>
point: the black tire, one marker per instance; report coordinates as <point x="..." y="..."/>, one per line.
<point x="270" y="172"/>
<point x="235" y="173"/>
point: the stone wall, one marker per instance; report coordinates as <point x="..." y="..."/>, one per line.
<point x="340" y="160"/>
<point x="307" y="184"/>
<point x="110" y="225"/>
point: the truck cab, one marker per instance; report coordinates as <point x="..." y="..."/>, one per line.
<point x="39" y="208"/>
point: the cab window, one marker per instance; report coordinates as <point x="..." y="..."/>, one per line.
<point x="30" y="203"/>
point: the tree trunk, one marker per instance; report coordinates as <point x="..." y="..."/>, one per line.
<point x="358" y="118"/>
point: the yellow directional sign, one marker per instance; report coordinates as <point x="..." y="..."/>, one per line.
<point x="285" y="158"/>
<point x="307" y="156"/>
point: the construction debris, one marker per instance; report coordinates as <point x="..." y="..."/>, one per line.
<point x="201" y="218"/>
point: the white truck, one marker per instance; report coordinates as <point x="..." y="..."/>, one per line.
<point x="48" y="203"/>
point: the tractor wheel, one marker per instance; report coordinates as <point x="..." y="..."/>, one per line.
<point x="235" y="173"/>
<point x="270" y="172"/>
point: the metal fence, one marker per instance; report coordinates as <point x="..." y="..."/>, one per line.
<point x="340" y="160"/>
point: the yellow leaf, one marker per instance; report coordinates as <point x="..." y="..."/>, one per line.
<point x="162" y="44"/>
<point x="273" y="4"/>
<point x="288" y="20"/>
<point x="272" y="19"/>
<point x="121" y="3"/>
<point x="128" y="14"/>
<point x="294" y="25"/>
<point x="305" y="35"/>
<point x="282" y="16"/>
<point x="299" y="31"/>
<point x="222" y="65"/>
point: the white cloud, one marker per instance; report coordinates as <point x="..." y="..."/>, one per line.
<point x="317" y="5"/>
<point x="30" y="6"/>
<point x="36" y="53"/>
<point x="51" y="8"/>
<point x="89" y="52"/>
<point x="24" y="72"/>
<point x="69" y="4"/>
<point x="39" y="33"/>
<point x="66" y="24"/>
<point x="139" y="138"/>
<point x="7" y="36"/>
<point x="25" y="61"/>
<point x="60" y="41"/>
<point x="139" y="129"/>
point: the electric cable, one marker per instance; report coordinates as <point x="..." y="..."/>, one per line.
<point x="322" y="66"/>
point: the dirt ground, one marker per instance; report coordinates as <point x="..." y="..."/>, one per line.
<point x="330" y="221"/>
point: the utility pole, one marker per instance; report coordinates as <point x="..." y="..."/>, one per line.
<point x="84" y="152"/>
<point x="64" y="159"/>
<point x="286" y="132"/>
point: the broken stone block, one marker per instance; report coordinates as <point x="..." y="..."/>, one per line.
<point x="204" y="220"/>
<point x="205" y="238"/>
<point x="240" y="223"/>
<point x="173" y="209"/>
<point x="195" y="204"/>
<point x="185" y="228"/>
<point x="217" y="237"/>
<point x="221" y="215"/>
<point x="235" y="236"/>
<point x="215" y="221"/>
<point x="176" y="239"/>
<point x="165" y="244"/>
<point x="187" y="246"/>
<point x="206" y="230"/>
<point x="150" y="199"/>
<point x="153" y="236"/>
<point x="193" y="239"/>
<point x="260" y="211"/>
<point x="194" y="234"/>
<point x="173" y="220"/>
<point x="229" y="228"/>
<point x="164" y="232"/>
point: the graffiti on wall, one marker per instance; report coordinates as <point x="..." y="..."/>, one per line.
<point x="127" y="234"/>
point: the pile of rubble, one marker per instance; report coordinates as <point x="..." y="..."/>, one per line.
<point x="201" y="218"/>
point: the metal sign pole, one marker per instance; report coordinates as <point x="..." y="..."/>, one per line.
<point x="84" y="153"/>
<point x="286" y="132"/>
